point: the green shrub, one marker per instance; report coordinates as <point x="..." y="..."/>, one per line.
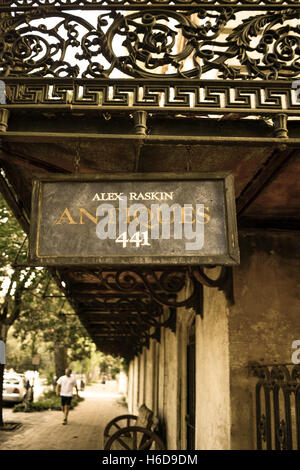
<point x="50" y="378"/>
<point x="50" y="394"/>
<point x="48" y="401"/>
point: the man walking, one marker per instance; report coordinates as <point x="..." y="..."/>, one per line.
<point x="64" y="388"/>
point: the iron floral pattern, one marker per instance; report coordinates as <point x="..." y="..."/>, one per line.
<point x="161" y="44"/>
<point x="21" y="4"/>
<point x="277" y="406"/>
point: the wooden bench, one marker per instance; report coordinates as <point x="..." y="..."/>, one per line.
<point x="130" y="432"/>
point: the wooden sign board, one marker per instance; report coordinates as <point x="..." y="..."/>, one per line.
<point x="134" y="219"/>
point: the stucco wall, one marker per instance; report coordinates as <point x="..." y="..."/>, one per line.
<point x="130" y="389"/>
<point x="170" y="372"/>
<point x="171" y="390"/>
<point x="212" y="374"/>
<point x="154" y="372"/>
<point x="149" y="377"/>
<point x="135" y="390"/>
<point x="264" y="320"/>
<point x="185" y="319"/>
<point x="260" y="326"/>
<point x="161" y="378"/>
<point x="141" y="385"/>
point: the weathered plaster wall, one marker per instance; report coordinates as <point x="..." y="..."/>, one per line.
<point x="156" y="348"/>
<point x="264" y="320"/>
<point x="130" y="389"/>
<point x="161" y="379"/>
<point x="135" y="378"/>
<point x="181" y="395"/>
<point x="141" y="386"/>
<point x="260" y="326"/>
<point x="155" y="383"/>
<point x="212" y="374"/>
<point x="162" y="373"/>
<point x="185" y="319"/>
<point x="171" y="389"/>
<point x="149" y="377"/>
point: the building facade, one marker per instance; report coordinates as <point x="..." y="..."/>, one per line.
<point x="133" y="88"/>
<point x="204" y="369"/>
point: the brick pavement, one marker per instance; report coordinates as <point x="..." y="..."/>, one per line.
<point x="44" y="430"/>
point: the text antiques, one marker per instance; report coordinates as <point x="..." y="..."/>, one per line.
<point x="134" y="219"/>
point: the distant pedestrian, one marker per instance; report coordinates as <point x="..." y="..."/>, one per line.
<point x="29" y="391"/>
<point x="64" y="388"/>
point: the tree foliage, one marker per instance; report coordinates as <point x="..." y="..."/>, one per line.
<point x="31" y="300"/>
<point x="16" y="282"/>
<point x="52" y="321"/>
<point x="23" y="303"/>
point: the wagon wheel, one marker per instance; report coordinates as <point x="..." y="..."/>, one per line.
<point x="140" y="439"/>
<point x="113" y="425"/>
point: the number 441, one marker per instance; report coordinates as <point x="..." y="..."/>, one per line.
<point x="138" y="238"/>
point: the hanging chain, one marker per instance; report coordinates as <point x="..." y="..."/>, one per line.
<point x="76" y="161"/>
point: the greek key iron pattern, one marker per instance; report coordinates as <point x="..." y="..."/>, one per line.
<point x="165" y="55"/>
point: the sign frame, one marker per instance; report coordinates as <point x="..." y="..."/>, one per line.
<point x="232" y="257"/>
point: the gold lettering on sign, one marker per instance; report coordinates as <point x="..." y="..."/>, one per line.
<point x="87" y="214"/>
<point x="187" y="215"/>
<point x="66" y="216"/>
<point x="203" y="216"/>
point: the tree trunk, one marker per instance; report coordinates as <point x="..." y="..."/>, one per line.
<point x="61" y="360"/>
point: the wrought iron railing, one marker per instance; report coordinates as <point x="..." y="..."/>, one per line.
<point x="157" y="42"/>
<point x="178" y="56"/>
<point x="277" y="406"/>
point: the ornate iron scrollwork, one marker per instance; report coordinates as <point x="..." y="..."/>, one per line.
<point x="133" y="303"/>
<point x="223" y="281"/>
<point x="141" y="299"/>
<point x="148" y="289"/>
<point x="162" y="285"/>
<point x="138" y="297"/>
<point x="157" y="43"/>
<point x="281" y="435"/>
<point x="147" y="312"/>
<point x="261" y="428"/>
<point x="132" y="333"/>
<point x="66" y="4"/>
<point x="277" y="385"/>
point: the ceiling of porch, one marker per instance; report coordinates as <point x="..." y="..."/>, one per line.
<point x="120" y="307"/>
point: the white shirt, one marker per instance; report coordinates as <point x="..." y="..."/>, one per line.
<point x="67" y="384"/>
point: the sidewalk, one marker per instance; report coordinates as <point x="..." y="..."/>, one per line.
<point x="44" y="430"/>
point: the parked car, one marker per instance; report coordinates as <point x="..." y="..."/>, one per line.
<point x="13" y="388"/>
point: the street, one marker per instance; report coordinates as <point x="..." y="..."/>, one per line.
<point x="44" y="430"/>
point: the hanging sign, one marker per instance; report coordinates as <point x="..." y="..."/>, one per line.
<point x="134" y="219"/>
